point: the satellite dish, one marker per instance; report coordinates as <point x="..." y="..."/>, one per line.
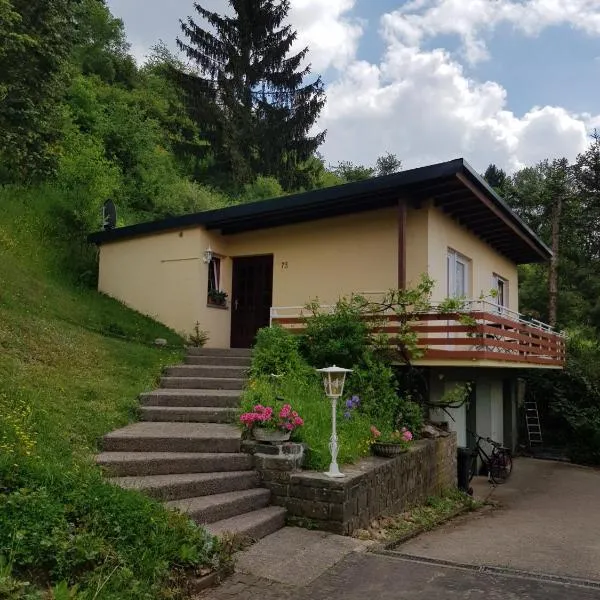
<point x="109" y="215"/>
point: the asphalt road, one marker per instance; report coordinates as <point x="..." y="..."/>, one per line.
<point x="394" y="578"/>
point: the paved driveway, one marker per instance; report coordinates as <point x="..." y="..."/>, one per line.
<point x="545" y="533"/>
<point x="548" y="522"/>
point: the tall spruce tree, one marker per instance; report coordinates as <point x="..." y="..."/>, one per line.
<point x="249" y="94"/>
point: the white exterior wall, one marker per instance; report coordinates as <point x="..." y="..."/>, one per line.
<point x="458" y="420"/>
<point x="489" y="403"/>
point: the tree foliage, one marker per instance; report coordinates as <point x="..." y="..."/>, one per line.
<point x="561" y="203"/>
<point x="250" y="96"/>
<point x="387" y="164"/>
<point x="37" y="39"/>
<point x="349" y="172"/>
<point x="495" y="176"/>
<point x="101" y="47"/>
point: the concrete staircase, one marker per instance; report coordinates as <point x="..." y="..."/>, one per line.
<point x="186" y="453"/>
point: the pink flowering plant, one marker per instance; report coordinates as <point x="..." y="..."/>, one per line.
<point x="284" y="419"/>
<point x="402" y="436"/>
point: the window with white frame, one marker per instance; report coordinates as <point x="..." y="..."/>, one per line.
<point x="459" y="268"/>
<point x="500" y="285"/>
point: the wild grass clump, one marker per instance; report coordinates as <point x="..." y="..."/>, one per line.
<point x="72" y="363"/>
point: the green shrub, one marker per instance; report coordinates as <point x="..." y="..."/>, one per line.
<point x="374" y="382"/>
<point x="262" y="188"/>
<point x="198" y="337"/>
<point x="569" y="400"/>
<point x="74" y="525"/>
<point x="276" y="352"/>
<point x="340" y="337"/>
<point x="85" y="179"/>
<point x="409" y="414"/>
<point x="584" y="441"/>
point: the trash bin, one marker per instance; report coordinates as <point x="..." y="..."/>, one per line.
<point x="463" y="466"/>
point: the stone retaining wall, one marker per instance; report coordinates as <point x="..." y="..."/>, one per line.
<point x="372" y="488"/>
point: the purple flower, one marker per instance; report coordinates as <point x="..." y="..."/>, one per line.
<point x="355" y="401"/>
<point x="347" y="415"/>
<point x="349" y="403"/>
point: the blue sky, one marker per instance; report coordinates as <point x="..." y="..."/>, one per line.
<point x="505" y="81"/>
<point x="561" y="66"/>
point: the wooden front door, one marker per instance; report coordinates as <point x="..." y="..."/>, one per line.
<point x="251" y="298"/>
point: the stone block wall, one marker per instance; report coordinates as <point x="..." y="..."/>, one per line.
<point x="372" y="488"/>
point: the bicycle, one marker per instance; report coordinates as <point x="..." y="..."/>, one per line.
<point x="498" y="463"/>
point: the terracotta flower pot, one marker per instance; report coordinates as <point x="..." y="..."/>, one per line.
<point x="262" y="434"/>
<point x="388" y="450"/>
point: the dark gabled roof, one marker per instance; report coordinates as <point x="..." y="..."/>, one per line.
<point x="454" y="187"/>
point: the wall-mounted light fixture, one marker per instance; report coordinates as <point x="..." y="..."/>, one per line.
<point x="208" y="255"/>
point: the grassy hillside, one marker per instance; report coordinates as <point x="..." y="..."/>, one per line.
<point x="72" y="363"/>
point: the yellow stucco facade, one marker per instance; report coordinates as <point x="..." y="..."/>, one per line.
<point x="164" y="276"/>
<point x="444" y="233"/>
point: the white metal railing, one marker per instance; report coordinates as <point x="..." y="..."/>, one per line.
<point x="470" y="306"/>
<point x="467" y="306"/>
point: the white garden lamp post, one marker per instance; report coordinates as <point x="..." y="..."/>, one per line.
<point x="333" y="380"/>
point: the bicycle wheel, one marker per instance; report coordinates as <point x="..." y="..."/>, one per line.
<point x="500" y="466"/>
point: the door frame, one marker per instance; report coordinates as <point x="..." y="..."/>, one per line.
<point x="234" y="300"/>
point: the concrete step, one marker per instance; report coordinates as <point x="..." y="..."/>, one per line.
<point x="122" y="464"/>
<point x="254" y="525"/>
<point x="206" y="371"/>
<point x="208" y="509"/>
<point x="188" y="414"/>
<point x="198" y="397"/>
<point x="173" y="437"/>
<point x="191" y="351"/>
<point x="204" y="383"/>
<point x="189" y="485"/>
<point x="225" y="361"/>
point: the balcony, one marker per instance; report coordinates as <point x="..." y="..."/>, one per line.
<point x="480" y="334"/>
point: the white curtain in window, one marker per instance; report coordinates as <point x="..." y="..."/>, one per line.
<point x="215" y="264"/>
<point x="458" y="275"/>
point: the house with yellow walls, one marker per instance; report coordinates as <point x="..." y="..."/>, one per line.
<point x="238" y="269"/>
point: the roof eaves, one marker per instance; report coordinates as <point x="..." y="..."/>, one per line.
<point x="544" y="250"/>
<point x="295" y="202"/>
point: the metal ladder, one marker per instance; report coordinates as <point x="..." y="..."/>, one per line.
<point x="532" y="419"/>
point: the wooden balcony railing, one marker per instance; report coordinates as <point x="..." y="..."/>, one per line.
<point x="482" y="331"/>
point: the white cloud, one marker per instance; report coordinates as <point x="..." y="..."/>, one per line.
<point x="471" y="19"/>
<point x="139" y="51"/>
<point x="324" y="27"/>
<point x="421" y="105"/>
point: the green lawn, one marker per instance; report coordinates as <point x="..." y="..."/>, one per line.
<point x="72" y="363"/>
